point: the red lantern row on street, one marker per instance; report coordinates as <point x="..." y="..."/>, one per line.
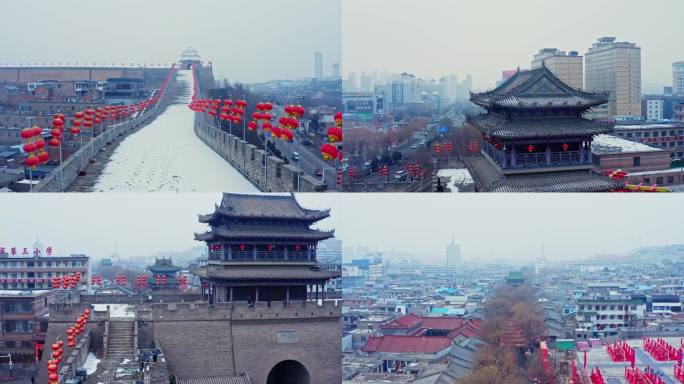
<point x="141" y="281"/>
<point x="96" y="280"/>
<point x="34" y="146"/>
<point x="182" y="281"/>
<point x="120" y="279"/>
<point x="66" y="281"/>
<point x="161" y="279"/>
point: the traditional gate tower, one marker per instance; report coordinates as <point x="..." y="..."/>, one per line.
<point x="261" y="248"/>
<point x="265" y="315"/>
<point x="535" y="138"/>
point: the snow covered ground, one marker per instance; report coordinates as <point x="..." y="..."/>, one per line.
<point x="167" y="156"/>
<point x="457" y="177"/>
<point x="91" y="363"/>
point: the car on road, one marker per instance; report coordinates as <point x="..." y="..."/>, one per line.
<point x="318" y="172"/>
<point x="414" y="146"/>
<point x="307" y="142"/>
<point x="295" y="156"/>
<point x="345" y="167"/>
<point x="400" y="175"/>
<point x="367" y="164"/>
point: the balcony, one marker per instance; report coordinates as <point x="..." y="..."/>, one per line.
<point x="263" y="256"/>
<point x="509" y="160"/>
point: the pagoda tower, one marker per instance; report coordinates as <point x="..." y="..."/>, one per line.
<point x="535" y="138"/>
<point x="261" y="248"/>
<point x="163" y="268"/>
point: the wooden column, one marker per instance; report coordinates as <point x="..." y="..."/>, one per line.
<point x="256" y="297"/>
<point x="231" y="294"/>
<point x="287" y="295"/>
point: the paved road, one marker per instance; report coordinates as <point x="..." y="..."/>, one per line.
<point x="309" y="160"/>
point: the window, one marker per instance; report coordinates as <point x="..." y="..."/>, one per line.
<point x="10" y="344"/>
<point x="636" y="161"/>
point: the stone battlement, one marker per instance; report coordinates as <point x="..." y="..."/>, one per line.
<point x="241" y="311"/>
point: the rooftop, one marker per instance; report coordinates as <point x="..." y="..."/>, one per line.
<point x="408" y="344"/>
<point x="610" y="144"/>
<point x="263" y="206"/>
<point x="537" y="89"/>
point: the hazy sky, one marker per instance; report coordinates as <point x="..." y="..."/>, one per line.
<point x="246" y="40"/>
<point x="486" y="225"/>
<point x="432" y="38"/>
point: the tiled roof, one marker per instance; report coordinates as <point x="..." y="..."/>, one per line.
<point x="531" y="128"/>
<point x="266" y="272"/>
<point x="407" y="344"/>
<point x="407" y="321"/>
<point x="264" y="206"/>
<point x="256" y="232"/>
<point x="571" y="181"/>
<point x="442" y="322"/>
<point x="489" y="179"/>
<point x="537" y="89"/>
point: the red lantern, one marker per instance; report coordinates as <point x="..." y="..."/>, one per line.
<point x="530" y="148"/>
<point x="26" y="133"/>
<point x="565" y="147"/>
<point x="43" y="157"/>
<point x="32" y="161"/>
<point x="334" y="134"/>
<point x="329" y="151"/>
<point x="252" y="125"/>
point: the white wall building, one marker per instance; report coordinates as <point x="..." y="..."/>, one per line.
<point x="654" y="109"/>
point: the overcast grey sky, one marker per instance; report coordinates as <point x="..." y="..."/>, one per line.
<point x="246" y="40"/>
<point x="486" y="225"/>
<point x="432" y="38"/>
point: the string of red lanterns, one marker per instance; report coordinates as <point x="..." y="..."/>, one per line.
<point x="331" y="149"/>
<point x="34" y="146"/>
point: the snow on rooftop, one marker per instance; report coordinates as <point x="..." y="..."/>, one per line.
<point x="661" y="171"/>
<point x="607" y="144"/>
<point x="647" y="126"/>
<point x="457" y="177"/>
<point x="11" y="292"/>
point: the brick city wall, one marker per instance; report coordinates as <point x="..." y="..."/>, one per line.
<point x="200" y="341"/>
<point x="249" y="160"/>
<point x="62" y="317"/>
<point x="62" y="176"/>
<point x="32" y="74"/>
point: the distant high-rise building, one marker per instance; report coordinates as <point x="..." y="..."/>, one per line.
<point x="453" y="87"/>
<point x="678" y="78"/>
<point x="349" y="84"/>
<point x="453" y="253"/>
<point x="615" y="67"/>
<point x="464" y="89"/>
<point x="566" y="66"/>
<point x="330" y="251"/>
<point x="336" y="70"/>
<point x="405" y="90"/>
<point x="366" y="82"/>
<point x="318" y="59"/>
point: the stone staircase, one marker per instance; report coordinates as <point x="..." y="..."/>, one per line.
<point x="120" y="344"/>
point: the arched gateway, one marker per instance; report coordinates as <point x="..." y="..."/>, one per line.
<point x="289" y="372"/>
